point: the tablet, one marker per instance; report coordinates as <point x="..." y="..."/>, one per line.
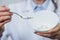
<point x="44" y="20"/>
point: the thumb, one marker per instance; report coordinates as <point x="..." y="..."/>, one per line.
<point x="3" y="6"/>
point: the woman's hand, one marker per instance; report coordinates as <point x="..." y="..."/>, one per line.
<point x="5" y="17"/>
<point x="53" y="33"/>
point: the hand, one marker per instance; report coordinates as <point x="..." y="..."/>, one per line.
<point x="53" y="33"/>
<point x="5" y="17"/>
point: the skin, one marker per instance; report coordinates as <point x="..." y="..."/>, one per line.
<point x="39" y="1"/>
<point x="53" y="33"/>
<point x="5" y="17"/>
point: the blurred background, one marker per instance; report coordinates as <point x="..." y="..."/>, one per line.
<point x="3" y="2"/>
<point x="10" y="1"/>
<point x="6" y="2"/>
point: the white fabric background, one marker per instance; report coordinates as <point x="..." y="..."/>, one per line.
<point x="2" y="2"/>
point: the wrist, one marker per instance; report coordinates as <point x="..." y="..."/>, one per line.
<point x="1" y="30"/>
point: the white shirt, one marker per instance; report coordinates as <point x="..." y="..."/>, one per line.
<point x="19" y="29"/>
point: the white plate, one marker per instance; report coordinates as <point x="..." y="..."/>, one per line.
<point x="44" y="20"/>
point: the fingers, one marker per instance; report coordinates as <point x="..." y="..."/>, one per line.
<point x="3" y="18"/>
<point x="4" y="8"/>
<point x="48" y="35"/>
<point x="5" y="13"/>
<point x="6" y="21"/>
<point x="45" y="35"/>
<point x="2" y="27"/>
<point x="42" y="34"/>
<point x="1" y="24"/>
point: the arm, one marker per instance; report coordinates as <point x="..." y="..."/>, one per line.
<point x="5" y="17"/>
<point x="53" y="33"/>
<point x="57" y="33"/>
